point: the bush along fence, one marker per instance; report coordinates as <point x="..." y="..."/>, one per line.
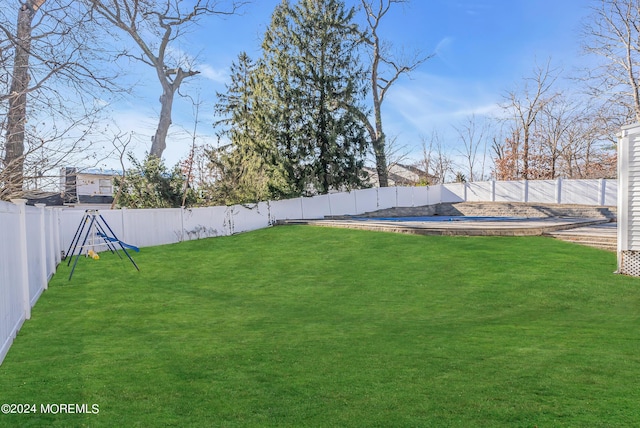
<point x="33" y="239"/>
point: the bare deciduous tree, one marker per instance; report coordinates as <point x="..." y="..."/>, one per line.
<point x="435" y="161"/>
<point x="51" y="43"/>
<point x="473" y="136"/>
<point x="525" y="104"/>
<point x="612" y="33"/>
<point x="569" y="138"/>
<point x="17" y="96"/>
<point x="385" y="71"/>
<point x="556" y="119"/>
<point x="153" y="27"/>
<point x="120" y="144"/>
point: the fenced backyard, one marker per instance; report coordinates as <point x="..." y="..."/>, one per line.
<point x="302" y="326"/>
<point x="33" y="239"/>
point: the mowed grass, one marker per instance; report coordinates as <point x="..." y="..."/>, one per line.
<point x="303" y="326"/>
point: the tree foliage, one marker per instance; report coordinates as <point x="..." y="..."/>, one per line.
<point x="310" y="50"/>
<point x="150" y="184"/>
<point x="291" y="117"/>
<point x="250" y="166"/>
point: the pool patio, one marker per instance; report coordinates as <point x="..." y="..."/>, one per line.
<point x="508" y="227"/>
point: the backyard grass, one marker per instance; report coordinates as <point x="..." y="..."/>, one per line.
<point x="303" y="326"/>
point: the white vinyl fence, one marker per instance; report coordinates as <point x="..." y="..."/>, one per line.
<point x="32" y="239"/>
<point x="29" y="254"/>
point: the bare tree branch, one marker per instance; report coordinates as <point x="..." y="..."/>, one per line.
<point x="385" y="71"/>
<point x="525" y="104"/>
<point x="153" y="26"/>
<point x="613" y="34"/>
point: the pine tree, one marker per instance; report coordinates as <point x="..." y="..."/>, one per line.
<point x="249" y="166"/>
<point x="315" y="83"/>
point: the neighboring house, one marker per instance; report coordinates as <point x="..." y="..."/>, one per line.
<point x="402" y="175"/>
<point x="87" y="186"/>
<point x="43" y="197"/>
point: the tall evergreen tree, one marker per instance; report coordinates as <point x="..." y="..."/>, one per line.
<point x="315" y="85"/>
<point x="249" y="166"/>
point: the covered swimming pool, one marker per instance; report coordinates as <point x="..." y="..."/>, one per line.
<point x="439" y="218"/>
<point x="454" y="225"/>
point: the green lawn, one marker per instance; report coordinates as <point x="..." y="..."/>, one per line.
<point x="302" y="326"/>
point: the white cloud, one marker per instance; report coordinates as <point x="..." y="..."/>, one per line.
<point x="215" y="75"/>
<point x="443" y="45"/>
<point x="430" y="102"/>
<point x="186" y="60"/>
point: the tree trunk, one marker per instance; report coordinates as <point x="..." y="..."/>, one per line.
<point x="378" y="138"/>
<point x="159" y="140"/>
<point x="525" y="155"/>
<point x="16" y="116"/>
<point x="381" y="161"/>
<point x="169" y="88"/>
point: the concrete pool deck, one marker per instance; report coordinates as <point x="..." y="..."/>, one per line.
<point x="520" y="227"/>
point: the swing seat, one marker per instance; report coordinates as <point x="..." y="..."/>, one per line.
<point x="124" y="244"/>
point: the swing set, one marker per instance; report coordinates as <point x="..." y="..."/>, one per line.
<point x="94" y="236"/>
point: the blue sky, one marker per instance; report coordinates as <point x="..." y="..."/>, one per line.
<point x="483" y="49"/>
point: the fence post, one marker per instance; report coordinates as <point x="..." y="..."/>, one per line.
<point x="559" y="190"/>
<point x="22" y="249"/>
<point x="525" y="190"/>
<point x="123" y="214"/>
<point x="355" y="200"/>
<point x="43" y="246"/>
<point x="603" y="191"/>
<point x="51" y="253"/>
<point x="182" y="223"/>
<point x="493" y="190"/>
<point x="57" y="243"/>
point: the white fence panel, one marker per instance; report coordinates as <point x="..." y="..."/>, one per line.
<point x="69" y="226"/>
<point x="343" y="203"/>
<point x="316" y="207"/>
<point x="245" y="218"/>
<point x="287" y="209"/>
<point x="53" y="240"/>
<point x="543" y="191"/>
<point x="611" y="193"/>
<point x="387" y="198"/>
<point x="207" y="222"/>
<point x="150" y="227"/>
<point x="509" y="191"/>
<point x="580" y="192"/>
<point x="479" y="191"/>
<point x="454" y="192"/>
<point x="404" y="196"/>
<point x="366" y="200"/>
<point x="12" y="313"/>
<point x="422" y="196"/>
<point x="35" y="262"/>
<point x="435" y="194"/>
